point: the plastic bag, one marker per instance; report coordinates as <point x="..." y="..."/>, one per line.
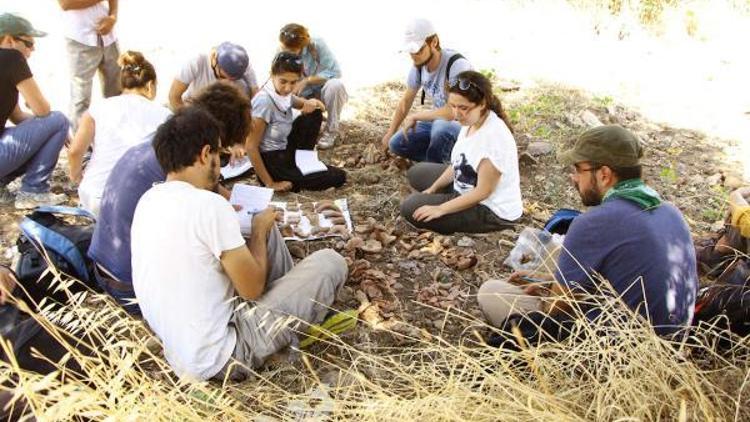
<point x="535" y="250"/>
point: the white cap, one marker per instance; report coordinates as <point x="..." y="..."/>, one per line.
<point x="416" y="32"/>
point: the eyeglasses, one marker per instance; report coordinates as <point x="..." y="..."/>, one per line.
<point x="462" y="84"/>
<point x="27" y="43"/>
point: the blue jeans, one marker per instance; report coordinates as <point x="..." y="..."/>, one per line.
<point x="31" y="149"/>
<point x="428" y="141"/>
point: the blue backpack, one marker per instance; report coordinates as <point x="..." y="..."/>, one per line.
<point x="561" y="220"/>
<point x="46" y="232"/>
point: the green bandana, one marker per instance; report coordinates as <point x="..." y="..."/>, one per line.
<point x="636" y="191"/>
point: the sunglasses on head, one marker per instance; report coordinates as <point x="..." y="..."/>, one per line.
<point x="462" y="84"/>
<point x="290" y="35"/>
<point x="288" y="58"/>
<point x="27" y="43"/>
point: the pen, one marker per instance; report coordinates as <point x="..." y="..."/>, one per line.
<point x="534" y="280"/>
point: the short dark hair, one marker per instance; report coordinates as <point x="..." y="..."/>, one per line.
<point x="178" y="141"/>
<point x="230" y="107"/>
<point x="286" y="62"/>
<point x="623" y="173"/>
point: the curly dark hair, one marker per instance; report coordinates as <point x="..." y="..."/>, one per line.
<point x="178" y="141"/>
<point x="230" y="107"/>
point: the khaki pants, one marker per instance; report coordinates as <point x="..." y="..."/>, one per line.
<point x="293" y="297"/>
<point x="333" y="95"/>
<point x="499" y="299"/>
<point x="84" y="62"/>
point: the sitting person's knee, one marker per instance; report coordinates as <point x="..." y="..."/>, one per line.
<point x="408" y="206"/>
<point x="334" y="86"/>
<point x="331" y="263"/>
<point x="58" y="119"/>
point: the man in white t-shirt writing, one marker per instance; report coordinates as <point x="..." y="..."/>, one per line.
<point x="219" y="303"/>
<point x="92" y="45"/>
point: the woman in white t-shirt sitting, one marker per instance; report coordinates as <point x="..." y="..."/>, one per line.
<point x="480" y="190"/>
<point x="113" y="125"/>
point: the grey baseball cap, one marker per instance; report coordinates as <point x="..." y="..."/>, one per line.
<point x="15" y="25"/>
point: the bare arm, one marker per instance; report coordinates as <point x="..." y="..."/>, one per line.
<point x="76" y="4"/>
<point x="33" y="96"/>
<point x="488" y="178"/>
<point x="175" y="94"/>
<point x="247" y="266"/>
<point x="17" y="115"/>
<point x="252" y="147"/>
<point x="404" y="105"/>
<point x="444" y="180"/>
<point x="113" y="8"/>
<point x="107" y="23"/>
<point x="81" y="142"/>
<point x="221" y="190"/>
<point x="442" y="113"/>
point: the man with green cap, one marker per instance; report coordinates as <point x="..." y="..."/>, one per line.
<point x="32" y="146"/>
<point x="629" y="238"/>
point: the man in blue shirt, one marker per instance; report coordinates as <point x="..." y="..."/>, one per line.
<point x="135" y="173"/>
<point x="630" y="243"/>
<point x="322" y="77"/>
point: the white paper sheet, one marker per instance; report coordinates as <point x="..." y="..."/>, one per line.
<point x="252" y="199"/>
<point x="307" y="161"/>
<point x="237" y="169"/>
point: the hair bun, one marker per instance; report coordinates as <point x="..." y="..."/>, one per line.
<point x="132" y="61"/>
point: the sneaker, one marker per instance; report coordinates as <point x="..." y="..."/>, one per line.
<point x="327" y="140"/>
<point x="6" y="198"/>
<point x="28" y="200"/>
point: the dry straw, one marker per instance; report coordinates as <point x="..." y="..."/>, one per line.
<point x="615" y="370"/>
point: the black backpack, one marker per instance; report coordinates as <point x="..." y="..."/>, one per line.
<point x="451" y="60"/>
<point x="724" y="306"/>
<point x="45" y="233"/>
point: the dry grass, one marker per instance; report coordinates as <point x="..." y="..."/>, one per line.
<point x="625" y="372"/>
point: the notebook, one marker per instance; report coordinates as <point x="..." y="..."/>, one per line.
<point x="307" y="161"/>
<point x="252" y="199"/>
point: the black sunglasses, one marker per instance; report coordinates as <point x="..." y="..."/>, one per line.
<point x="288" y="58"/>
<point x="463" y="84"/>
<point x="27" y="43"/>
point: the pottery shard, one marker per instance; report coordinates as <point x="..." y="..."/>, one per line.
<point x="372" y="246"/>
<point x="539" y="148"/>
<point x="590" y="119"/>
<point x="354" y="243"/>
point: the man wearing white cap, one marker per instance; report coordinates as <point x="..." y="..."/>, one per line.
<point x="426" y="135"/>
<point x="227" y="61"/>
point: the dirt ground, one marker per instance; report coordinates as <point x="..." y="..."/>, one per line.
<point x="411" y="278"/>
